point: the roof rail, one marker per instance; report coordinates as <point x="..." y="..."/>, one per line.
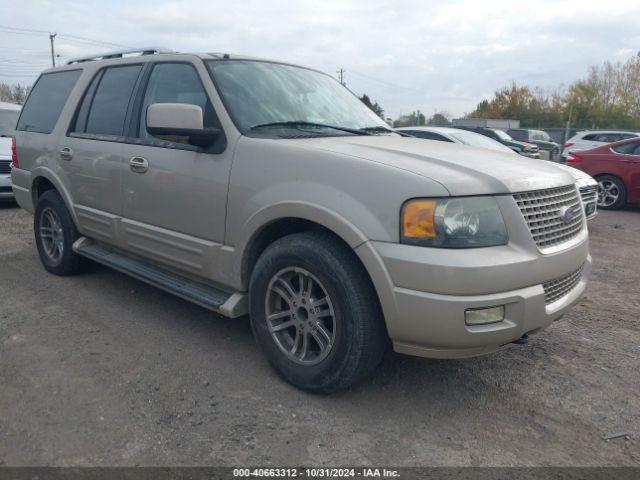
<point x="121" y="54"/>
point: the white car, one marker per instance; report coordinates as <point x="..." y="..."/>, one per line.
<point x="9" y="114"/>
<point x="455" y="135"/>
<point x="590" y="139"/>
<point x="587" y="185"/>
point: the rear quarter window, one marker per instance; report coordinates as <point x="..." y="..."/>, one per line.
<point x="46" y="100"/>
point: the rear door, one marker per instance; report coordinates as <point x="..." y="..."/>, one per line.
<point x="92" y="152"/>
<point x="174" y="209"/>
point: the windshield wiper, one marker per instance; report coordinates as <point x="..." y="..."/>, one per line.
<point x="302" y="123"/>
<point x="381" y="129"/>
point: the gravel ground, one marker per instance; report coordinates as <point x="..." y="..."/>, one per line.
<point x="101" y="369"/>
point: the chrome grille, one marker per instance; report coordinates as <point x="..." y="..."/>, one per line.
<point x="541" y="209"/>
<point x="589" y="194"/>
<point x="5" y="166"/>
<point x="558" y="288"/>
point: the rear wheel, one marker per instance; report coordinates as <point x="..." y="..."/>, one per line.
<point x="55" y="233"/>
<point x="611" y="193"/>
<point x="315" y="314"/>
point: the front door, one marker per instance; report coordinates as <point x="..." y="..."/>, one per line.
<point x="175" y="193"/>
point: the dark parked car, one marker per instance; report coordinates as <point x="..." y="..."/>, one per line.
<point x="537" y="137"/>
<point x="523" y="148"/>
<point x="616" y="167"/>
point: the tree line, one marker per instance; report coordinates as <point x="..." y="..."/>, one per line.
<point x="13" y="93"/>
<point x="608" y="97"/>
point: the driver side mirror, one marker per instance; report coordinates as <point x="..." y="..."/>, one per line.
<point x="180" y="120"/>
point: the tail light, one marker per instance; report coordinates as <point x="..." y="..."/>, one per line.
<point x="14" y="154"/>
<point x="568" y="144"/>
<point x="573" y="159"/>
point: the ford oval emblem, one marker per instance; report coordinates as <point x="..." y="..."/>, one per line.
<point x="566" y="214"/>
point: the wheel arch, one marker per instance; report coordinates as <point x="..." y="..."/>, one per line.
<point x="362" y="251"/>
<point x="44" y="179"/>
<point x="277" y="221"/>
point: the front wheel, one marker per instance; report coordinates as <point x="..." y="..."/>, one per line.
<point x="315" y="314"/>
<point x="611" y="193"/>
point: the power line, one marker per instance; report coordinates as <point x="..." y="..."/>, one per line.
<point x="382" y="82"/>
<point x="68" y="37"/>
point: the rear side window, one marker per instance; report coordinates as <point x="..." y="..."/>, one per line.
<point x="608" y="137"/>
<point x="518" y="134"/>
<point x="632" y="148"/>
<point x="46" y="100"/>
<point x="591" y="136"/>
<point x="106" y="108"/>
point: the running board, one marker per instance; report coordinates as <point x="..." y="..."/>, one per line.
<point x="228" y="304"/>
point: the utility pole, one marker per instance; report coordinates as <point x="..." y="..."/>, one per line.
<point x="53" y="55"/>
<point x="566" y="130"/>
<point x="341" y="75"/>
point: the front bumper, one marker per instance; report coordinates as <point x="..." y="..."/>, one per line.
<point x="6" y="192"/>
<point x="424" y="292"/>
<point x="434" y="326"/>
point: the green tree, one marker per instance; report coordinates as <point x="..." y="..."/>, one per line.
<point x="607" y="97"/>
<point x="374" y="106"/>
<point x="440" y="119"/>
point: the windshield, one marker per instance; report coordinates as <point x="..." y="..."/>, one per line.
<point x="542" y="135"/>
<point x="503" y="135"/>
<point x="477" y="140"/>
<point x="8" y="120"/>
<point x="261" y="93"/>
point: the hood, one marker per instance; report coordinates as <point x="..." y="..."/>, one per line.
<point x="461" y="169"/>
<point x="578" y="175"/>
<point x="5" y="147"/>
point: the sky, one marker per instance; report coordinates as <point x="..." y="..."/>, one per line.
<point x="405" y="54"/>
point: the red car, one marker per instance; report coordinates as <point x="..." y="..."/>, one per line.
<point x="616" y="167"/>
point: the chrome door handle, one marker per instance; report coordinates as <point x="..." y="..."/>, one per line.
<point x="138" y="165"/>
<point x="66" y="153"/>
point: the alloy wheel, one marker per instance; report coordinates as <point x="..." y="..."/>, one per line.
<point x="51" y="235"/>
<point x="300" y="316"/>
<point x="608" y="193"/>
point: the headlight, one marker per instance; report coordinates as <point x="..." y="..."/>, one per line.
<point x="453" y="222"/>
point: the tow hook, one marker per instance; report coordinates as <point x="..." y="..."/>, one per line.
<point x="523" y="340"/>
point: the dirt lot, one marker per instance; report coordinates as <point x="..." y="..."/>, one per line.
<point x="101" y="369"/>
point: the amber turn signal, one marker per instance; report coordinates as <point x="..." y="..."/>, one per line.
<point x="418" y="219"/>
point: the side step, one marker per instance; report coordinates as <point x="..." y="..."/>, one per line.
<point x="228" y="304"/>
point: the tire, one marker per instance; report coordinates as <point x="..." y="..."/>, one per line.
<point x="55" y="233"/>
<point x="349" y="323"/>
<point x="612" y="194"/>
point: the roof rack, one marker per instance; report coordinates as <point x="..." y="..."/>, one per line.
<point x="121" y="54"/>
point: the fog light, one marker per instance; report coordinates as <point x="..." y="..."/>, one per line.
<point x="482" y="316"/>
